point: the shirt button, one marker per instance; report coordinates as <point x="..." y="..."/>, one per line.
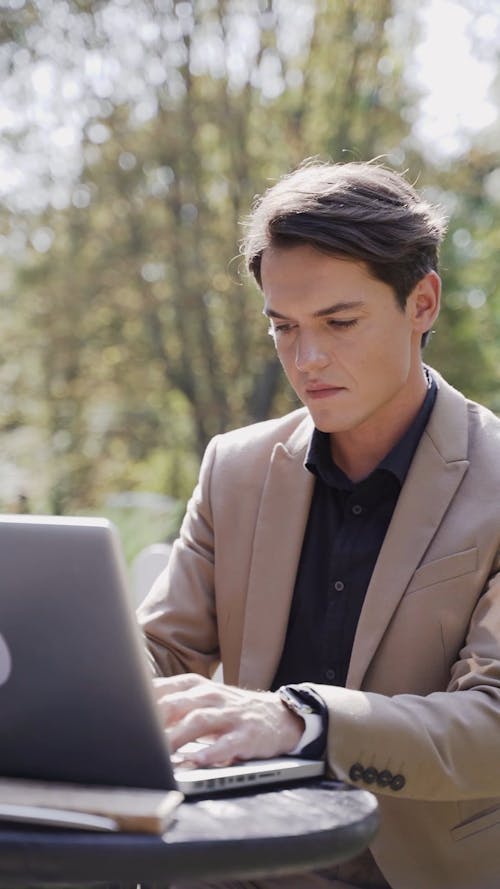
<point x="338" y="585"/>
<point x="330" y="675"/>
<point x="357" y="509"/>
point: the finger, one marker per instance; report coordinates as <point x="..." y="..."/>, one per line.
<point x="198" y="724"/>
<point x="224" y="750"/>
<point x="166" y="685"/>
<point x="175" y="706"/>
<point x="247" y="735"/>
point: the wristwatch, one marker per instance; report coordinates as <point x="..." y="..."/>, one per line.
<point x="306" y="703"/>
<point x="295" y="701"/>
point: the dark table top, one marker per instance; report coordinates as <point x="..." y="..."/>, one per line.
<point x="271" y="832"/>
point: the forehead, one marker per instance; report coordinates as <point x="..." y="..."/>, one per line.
<point x="279" y="261"/>
<point x="304" y="274"/>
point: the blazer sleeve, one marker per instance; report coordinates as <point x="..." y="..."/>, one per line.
<point x="443" y="746"/>
<point x="177" y="616"/>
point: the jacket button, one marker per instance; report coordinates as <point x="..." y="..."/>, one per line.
<point x="385" y="778"/>
<point x="356" y="772"/>
<point x="398" y="782"/>
<point x="370" y="775"/>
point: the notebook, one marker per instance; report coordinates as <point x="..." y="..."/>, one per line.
<point x="75" y="690"/>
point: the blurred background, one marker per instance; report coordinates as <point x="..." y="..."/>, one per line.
<point x="134" y="135"/>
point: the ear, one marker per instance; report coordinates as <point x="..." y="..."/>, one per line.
<point x="424" y="301"/>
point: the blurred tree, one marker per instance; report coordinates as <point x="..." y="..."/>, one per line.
<point x="465" y="345"/>
<point x="143" y="335"/>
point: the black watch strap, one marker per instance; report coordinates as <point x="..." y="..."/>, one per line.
<point x="304" y="700"/>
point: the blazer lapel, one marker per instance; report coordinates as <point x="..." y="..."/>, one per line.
<point x="276" y="551"/>
<point x="436" y="471"/>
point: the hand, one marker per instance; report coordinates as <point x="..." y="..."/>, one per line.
<point x="242" y="724"/>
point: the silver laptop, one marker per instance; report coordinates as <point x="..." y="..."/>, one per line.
<point x="76" y="700"/>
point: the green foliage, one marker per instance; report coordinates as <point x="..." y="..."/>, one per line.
<point x="465" y="345"/>
<point x="141" y="527"/>
<point x="131" y="331"/>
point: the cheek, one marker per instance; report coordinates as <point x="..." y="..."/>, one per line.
<point x="286" y="353"/>
<point x="386" y="344"/>
<point x="379" y="361"/>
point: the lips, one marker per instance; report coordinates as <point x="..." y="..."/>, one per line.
<point x="321" y="390"/>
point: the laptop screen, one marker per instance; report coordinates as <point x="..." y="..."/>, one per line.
<point x="75" y="690"/>
<point x="75" y="693"/>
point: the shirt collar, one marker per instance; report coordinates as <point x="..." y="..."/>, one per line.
<point x="397" y="461"/>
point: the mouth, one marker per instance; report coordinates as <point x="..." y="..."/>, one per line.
<point x="321" y="390"/>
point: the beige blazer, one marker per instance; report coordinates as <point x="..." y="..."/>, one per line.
<point x="423" y="691"/>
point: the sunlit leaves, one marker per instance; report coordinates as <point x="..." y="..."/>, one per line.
<point x="141" y="132"/>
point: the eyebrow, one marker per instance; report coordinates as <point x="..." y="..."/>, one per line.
<point x="321" y="313"/>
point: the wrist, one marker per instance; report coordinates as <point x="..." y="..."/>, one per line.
<point x="305" y="703"/>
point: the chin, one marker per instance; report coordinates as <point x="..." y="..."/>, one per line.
<point x="331" y="425"/>
<point x="325" y="425"/>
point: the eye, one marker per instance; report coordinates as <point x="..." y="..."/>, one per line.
<point x="280" y="328"/>
<point x="337" y="323"/>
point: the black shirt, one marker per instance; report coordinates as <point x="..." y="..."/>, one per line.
<point x="345" y="530"/>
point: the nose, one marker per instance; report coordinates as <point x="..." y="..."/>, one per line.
<point x="310" y="353"/>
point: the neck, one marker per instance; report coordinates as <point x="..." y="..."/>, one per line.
<point x="359" y="451"/>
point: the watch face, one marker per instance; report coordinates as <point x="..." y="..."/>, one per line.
<point x="294" y="702"/>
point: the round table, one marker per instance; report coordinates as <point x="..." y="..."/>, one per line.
<point x="268" y="833"/>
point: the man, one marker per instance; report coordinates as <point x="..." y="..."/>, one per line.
<point x="351" y="546"/>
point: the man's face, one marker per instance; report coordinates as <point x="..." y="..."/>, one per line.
<point x="351" y="353"/>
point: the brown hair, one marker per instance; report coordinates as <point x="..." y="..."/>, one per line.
<point x="361" y="211"/>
